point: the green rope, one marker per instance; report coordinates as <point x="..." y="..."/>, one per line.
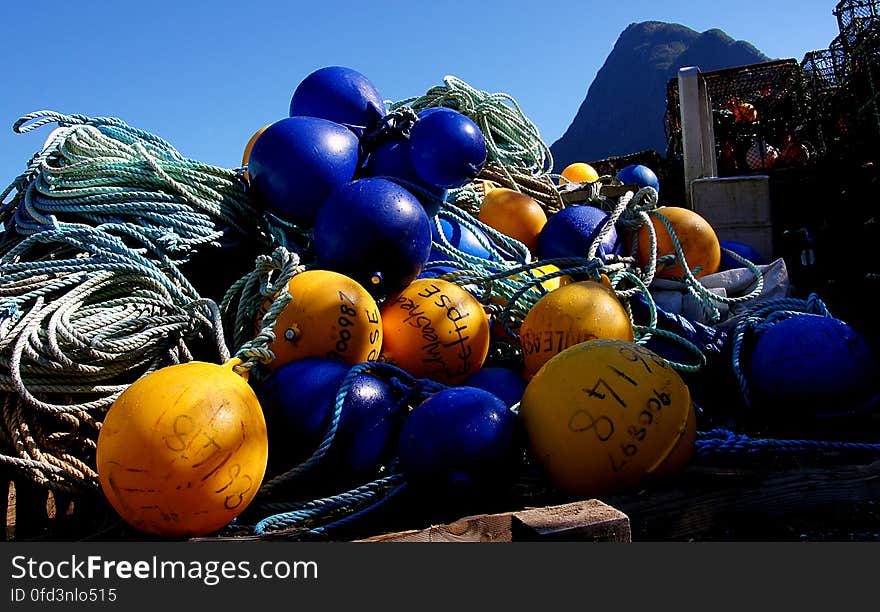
<point x="512" y="139"/>
<point x="91" y="293"/>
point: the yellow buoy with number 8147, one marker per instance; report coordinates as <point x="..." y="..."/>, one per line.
<point x="602" y="415"/>
<point x="183" y="450"/>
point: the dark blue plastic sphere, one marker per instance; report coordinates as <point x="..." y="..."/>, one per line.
<point x="461" y="237"/>
<point x="741" y="249"/>
<point x="571" y="231"/>
<point x="297" y="162"/>
<point x="459" y="436"/>
<point x="640" y="175"/>
<point x="392" y="159"/>
<point x="504" y="383"/>
<point x="447" y="149"/>
<point x="341" y="95"/>
<point x="299" y="400"/>
<point x="812" y="365"/>
<point x="374" y="231"/>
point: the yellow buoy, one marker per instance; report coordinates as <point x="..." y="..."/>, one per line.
<point x="579" y="172"/>
<point x="330" y="315"/>
<point x="602" y="415"/>
<point x="435" y="329"/>
<point x="574" y="313"/>
<point x="513" y="214"/>
<point x="522" y="278"/>
<point x="183" y="450"/>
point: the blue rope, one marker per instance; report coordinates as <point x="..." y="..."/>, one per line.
<point x="758" y="319"/>
<point x="723" y="443"/>
<point x="419" y="387"/>
<point x="366" y="498"/>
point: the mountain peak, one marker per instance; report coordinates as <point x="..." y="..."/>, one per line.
<point x="623" y="110"/>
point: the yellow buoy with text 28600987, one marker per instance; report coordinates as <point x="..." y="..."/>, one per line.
<point x="183" y="450"/>
<point x="330" y="315"/>
<point x="603" y="415"/>
<point x="435" y="329"/>
<point x="573" y="313"/>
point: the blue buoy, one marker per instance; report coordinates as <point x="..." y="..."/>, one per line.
<point x="743" y="250"/>
<point x="463" y="238"/>
<point x="571" y="231"/>
<point x="374" y="231"/>
<point x="341" y="95"/>
<point x="639" y="175"/>
<point x="504" y="383"/>
<point x="459" y="436"/>
<point x="812" y="365"/>
<point x="391" y="159"/>
<point x="447" y="149"/>
<point x="299" y="399"/>
<point x="297" y="162"/>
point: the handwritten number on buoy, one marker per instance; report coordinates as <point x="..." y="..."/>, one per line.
<point x="182" y="426"/>
<point x="594" y="392"/>
<point x="245" y="482"/>
<point x="582" y="421"/>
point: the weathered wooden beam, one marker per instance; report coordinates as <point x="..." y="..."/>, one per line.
<point x="589" y="520"/>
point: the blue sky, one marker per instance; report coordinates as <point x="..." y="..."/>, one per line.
<point x="206" y="75"/>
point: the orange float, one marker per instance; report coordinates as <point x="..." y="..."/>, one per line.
<point x="435" y="329"/>
<point x="513" y="214"/>
<point x="572" y="314"/>
<point x="698" y="240"/>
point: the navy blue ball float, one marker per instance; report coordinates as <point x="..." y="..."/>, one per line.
<point x="639" y="175"/>
<point x="447" y="149"/>
<point x="812" y="365"/>
<point x="297" y="162"/>
<point x="299" y="400"/>
<point x="461" y="436"/>
<point x="741" y="249"/>
<point x="374" y="231"/>
<point x="571" y="231"/>
<point x="461" y="237"/>
<point x="504" y="383"/>
<point x="392" y="159"/>
<point x="341" y="95"/>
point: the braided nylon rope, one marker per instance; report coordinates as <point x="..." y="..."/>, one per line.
<point x="763" y="316"/>
<point x="512" y="140"/>
<point x="720" y="443"/>
<point x="91" y="294"/>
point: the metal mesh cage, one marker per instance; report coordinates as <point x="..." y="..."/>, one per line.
<point x="866" y="83"/>
<point x="758" y="111"/>
<point x="854" y="17"/>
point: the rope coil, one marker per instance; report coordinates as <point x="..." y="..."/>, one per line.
<point x="91" y="292"/>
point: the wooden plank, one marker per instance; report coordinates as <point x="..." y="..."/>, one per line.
<point x="479" y="528"/>
<point x="589" y="520"/>
<point x="705" y="499"/>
